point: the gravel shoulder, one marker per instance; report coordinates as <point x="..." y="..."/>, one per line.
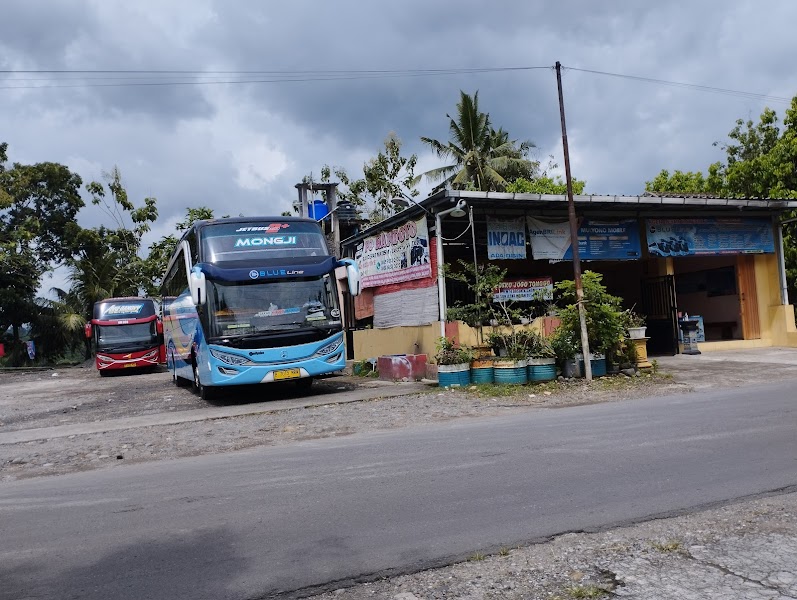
<point x="77" y="395"/>
<point x="742" y="550"/>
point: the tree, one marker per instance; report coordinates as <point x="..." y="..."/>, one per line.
<point x="106" y="261"/>
<point x="38" y="205"/>
<point x="761" y="162"/>
<point x="483" y="158"/>
<point x="386" y="176"/>
<point x="161" y="251"/>
<point x="544" y="185"/>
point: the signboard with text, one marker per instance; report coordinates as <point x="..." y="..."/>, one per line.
<point x="400" y="254"/>
<point x="598" y="239"/>
<point x="709" y="236"/>
<point x="506" y="239"/>
<point x="524" y="290"/>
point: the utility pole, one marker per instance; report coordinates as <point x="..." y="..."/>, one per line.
<point x="571" y="213"/>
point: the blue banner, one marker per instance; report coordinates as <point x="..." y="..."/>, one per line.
<point x="709" y="236"/>
<point x="506" y="239"/>
<point x="604" y="239"/>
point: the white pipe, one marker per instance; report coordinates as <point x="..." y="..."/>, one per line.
<point x="784" y="286"/>
<point x="441" y="281"/>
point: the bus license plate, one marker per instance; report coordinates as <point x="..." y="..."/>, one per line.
<point x="287" y="374"/>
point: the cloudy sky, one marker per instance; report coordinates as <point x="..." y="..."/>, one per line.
<point x="241" y="147"/>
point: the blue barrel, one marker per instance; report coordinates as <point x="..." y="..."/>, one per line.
<point x="455" y="379"/>
<point x="511" y="375"/>
<point x="482" y="375"/>
<point x="542" y="372"/>
<point x="598" y="367"/>
<point x="317" y="209"/>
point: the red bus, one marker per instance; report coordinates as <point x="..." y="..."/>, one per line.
<point x="127" y="334"/>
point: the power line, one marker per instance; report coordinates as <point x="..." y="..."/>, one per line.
<point x="201" y="77"/>
<point x="691" y="86"/>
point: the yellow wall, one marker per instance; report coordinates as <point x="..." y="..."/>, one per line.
<point x="777" y="321"/>
<point x="371" y="343"/>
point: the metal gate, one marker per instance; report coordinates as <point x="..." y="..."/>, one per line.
<point x="660" y="308"/>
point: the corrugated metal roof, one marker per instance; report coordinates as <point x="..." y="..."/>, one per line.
<point x="646" y="204"/>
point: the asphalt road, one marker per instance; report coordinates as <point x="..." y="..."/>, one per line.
<point x="254" y="524"/>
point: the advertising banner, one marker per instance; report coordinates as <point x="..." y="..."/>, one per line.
<point x="616" y="239"/>
<point x="525" y="290"/>
<point x="401" y="254"/>
<point x="709" y="236"/>
<point x="506" y="239"/>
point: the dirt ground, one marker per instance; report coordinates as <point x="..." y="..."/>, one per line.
<point x="744" y="550"/>
<point x="78" y="395"/>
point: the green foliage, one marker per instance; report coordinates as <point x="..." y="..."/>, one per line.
<point x="760" y="161"/>
<point x="161" y="251"/>
<point x="450" y="354"/>
<point x="106" y="261"/>
<point x="604" y="313"/>
<point x="482" y="279"/>
<point x="388" y="175"/>
<point x="564" y="343"/>
<point x="482" y="158"/>
<point x="544" y="185"/>
<point x="38" y="205"/>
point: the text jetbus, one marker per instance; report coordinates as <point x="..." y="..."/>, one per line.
<point x="253" y="300"/>
<point x="126" y="334"/>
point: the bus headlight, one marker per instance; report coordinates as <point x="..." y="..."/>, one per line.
<point x="230" y="359"/>
<point x="329" y="348"/>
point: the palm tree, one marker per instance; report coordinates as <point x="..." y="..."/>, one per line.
<point x="483" y="158"/>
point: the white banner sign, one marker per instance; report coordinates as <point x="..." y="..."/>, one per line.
<point x="549" y="241"/>
<point x="506" y="239"/>
<point x="400" y="254"/>
<point x="528" y="290"/>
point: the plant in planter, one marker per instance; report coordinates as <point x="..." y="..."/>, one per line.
<point x="604" y="316"/>
<point x="634" y="324"/>
<point x="565" y="344"/>
<point x="482" y="280"/>
<point x="453" y="363"/>
<point x="542" y="359"/>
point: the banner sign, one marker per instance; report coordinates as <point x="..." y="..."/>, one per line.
<point x="525" y="290"/>
<point x="506" y="239"/>
<point x="597" y="239"/>
<point x="401" y="254"/>
<point x="709" y="236"/>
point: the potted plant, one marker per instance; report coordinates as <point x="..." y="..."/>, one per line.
<point x="564" y="344"/>
<point x="482" y="365"/>
<point x="634" y="324"/>
<point x="542" y="359"/>
<point x="511" y="367"/>
<point x="453" y="364"/>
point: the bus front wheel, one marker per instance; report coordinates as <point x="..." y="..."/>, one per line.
<point x="205" y="392"/>
<point x="305" y="383"/>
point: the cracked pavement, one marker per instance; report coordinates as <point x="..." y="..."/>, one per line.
<point x="741" y="551"/>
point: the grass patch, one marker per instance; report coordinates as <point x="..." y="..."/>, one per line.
<point x="586" y="591"/>
<point x="668" y="546"/>
<point x="477" y="557"/>
<point x="503" y="552"/>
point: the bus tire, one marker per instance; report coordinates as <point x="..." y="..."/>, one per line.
<point x="305" y="383"/>
<point x="204" y="392"/>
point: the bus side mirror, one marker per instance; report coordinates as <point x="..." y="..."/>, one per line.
<point x="353" y="276"/>
<point x="159" y="326"/>
<point x="87" y="330"/>
<point x="196" y="282"/>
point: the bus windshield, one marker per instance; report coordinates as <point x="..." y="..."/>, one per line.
<point x="224" y="242"/>
<point x="243" y="308"/>
<point x="127" y="338"/>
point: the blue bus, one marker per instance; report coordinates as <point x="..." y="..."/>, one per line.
<point x="253" y="300"/>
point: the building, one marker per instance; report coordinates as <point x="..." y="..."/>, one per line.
<point x="719" y="258"/>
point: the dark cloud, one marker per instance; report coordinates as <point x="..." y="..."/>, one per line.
<point x="240" y="148"/>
